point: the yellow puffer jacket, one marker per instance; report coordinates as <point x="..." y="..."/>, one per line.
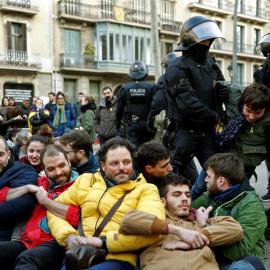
<point x="91" y="193"/>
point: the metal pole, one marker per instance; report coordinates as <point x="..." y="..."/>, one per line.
<point x="234" y="62"/>
<point x="155" y="39"/>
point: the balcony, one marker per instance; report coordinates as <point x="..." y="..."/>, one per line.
<point x="94" y="13"/>
<point x="77" y="61"/>
<point x="214" y="7"/>
<point x="170" y="25"/>
<point x="243" y="50"/>
<point x="28" y="7"/>
<point x="19" y="60"/>
<point x="253" y="15"/>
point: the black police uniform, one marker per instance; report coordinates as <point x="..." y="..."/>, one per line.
<point x="136" y="98"/>
<point x="191" y="80"/>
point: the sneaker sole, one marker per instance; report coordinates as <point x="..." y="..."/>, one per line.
<point x="265" y="200"/>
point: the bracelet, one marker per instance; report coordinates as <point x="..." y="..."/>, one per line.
<point x="167" y="229"/>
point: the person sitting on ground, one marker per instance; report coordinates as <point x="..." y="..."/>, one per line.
<point x="35" y="247"/>
<point x="12" y="137"/>
<point x="38" y="117"/>
<point x="154" y="162"/>
<point x="34" y="145"/>
<point x="229" y="195"/>
<point x="12" y="175"/>
<point x="77" y="145"/>
<point x="19" y="150"/>
<point x="46" y="131"/>
<point x="96" y="194"/>
<point x="188" y="233"/>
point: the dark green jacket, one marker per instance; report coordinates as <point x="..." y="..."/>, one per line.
<point x="250" y="142"/>
<point x="246" y="209"/>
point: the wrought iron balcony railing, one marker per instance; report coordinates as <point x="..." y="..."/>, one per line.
<point x="241" y="48"/>
<point x="216" y="4"/>
<point x="254" y="12"/>
<point x="24" y="4"/>
<point x="19" y="58"/>
<point x="77" y="61"/>
<point x="94" y="12"/>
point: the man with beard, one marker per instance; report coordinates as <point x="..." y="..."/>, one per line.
<point x="34" y="247"/>
<point x="77" y="145"/>
<point x="96" y="194"/>
<point x="188" y="233"/>
<point x="13" y="175"/>
<point x="105" y="119"/>
<point x="230" y="194"/>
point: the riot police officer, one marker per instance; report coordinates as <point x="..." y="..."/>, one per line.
<point x="263" y="75"/>
<point x="197" y="98"/>
<point x="159" y="103"/>
<point x="134" y="102"/>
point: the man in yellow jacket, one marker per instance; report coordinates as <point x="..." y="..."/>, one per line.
<point x="96" y="194"/>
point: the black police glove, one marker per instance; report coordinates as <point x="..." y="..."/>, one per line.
<point x="167" y="139"/>
<point x="150" y="125"/>
<point x="221" y="91"/>
<point x="221" y="117"/>
<point x="118" y="124"/>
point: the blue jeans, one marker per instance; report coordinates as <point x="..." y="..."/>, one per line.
<point x="246" y="262"/>
<point x="102" y="140"/>
<point x="110" y="265"/>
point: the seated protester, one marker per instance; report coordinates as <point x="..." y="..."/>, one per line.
<point x="19" y="150"/>
<point x="35" y="248"/>
<point x="34" y="145"/>
<point x="248" y="132"/>
<point x="12" y="137"/>
<point x="154" y="162"/>
<point x="229" y="195"/>
<point x="46" y="131"/>
<point x="77" y="145"/>
<point x="13" y="175"/>
<point x="38" y="117"/>
<point x="188" y="233"/>
<point x="96" y="194"/>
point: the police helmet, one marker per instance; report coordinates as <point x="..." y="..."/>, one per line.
<point x="197" y="29"/>
<point x="264" y="44"/>
<point x="168" y="59"/>
<point x="138" y="71"/>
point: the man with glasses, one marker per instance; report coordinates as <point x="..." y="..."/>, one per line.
<point x="77" y="145"/>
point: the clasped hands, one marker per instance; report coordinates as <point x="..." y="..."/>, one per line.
<point x="189" y="239"/>
<point x="74" y="241"/>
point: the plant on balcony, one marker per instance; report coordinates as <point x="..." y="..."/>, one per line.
<point x="89" y="53"/>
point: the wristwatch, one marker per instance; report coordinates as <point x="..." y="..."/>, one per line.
<point x="104" y="242"/>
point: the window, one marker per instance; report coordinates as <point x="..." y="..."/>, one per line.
<point x="255" y="69"/>
<point x="240" y="6"/>
<point x="70" y="86"/>
<point x="256" y="38"/>
<point x="240" y="38"/>
<point x="240" y="69"/>
<point x="217" y="3"/>
<point x="168" y="48"/>
<point x="94" y="90"/>
<point x="72" y="47"/>
<point x="167" y="11"/>
<point x="106" y="8"/>
<point x="124" y="47"/>
<point x="139" y="8"/>
<point x="258" y="11"/>
<point x="16" y="36"/>
<point x="72" y="7"/>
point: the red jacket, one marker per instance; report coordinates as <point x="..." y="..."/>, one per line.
<point x="34" y="232"/>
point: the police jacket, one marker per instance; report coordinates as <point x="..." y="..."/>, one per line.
<point x="191" y="85"/>
<point x="136" y="97"/>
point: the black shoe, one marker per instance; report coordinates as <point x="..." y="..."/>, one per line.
<point x="266" y="197"/>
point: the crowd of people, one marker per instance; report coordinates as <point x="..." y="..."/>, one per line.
<point x="57" y="195"/>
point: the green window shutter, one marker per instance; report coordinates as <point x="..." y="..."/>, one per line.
<point x="9" y="43"/>
<point x="24" y="37"/>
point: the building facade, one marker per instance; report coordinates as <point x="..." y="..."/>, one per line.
<point x="83" y="45"/>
